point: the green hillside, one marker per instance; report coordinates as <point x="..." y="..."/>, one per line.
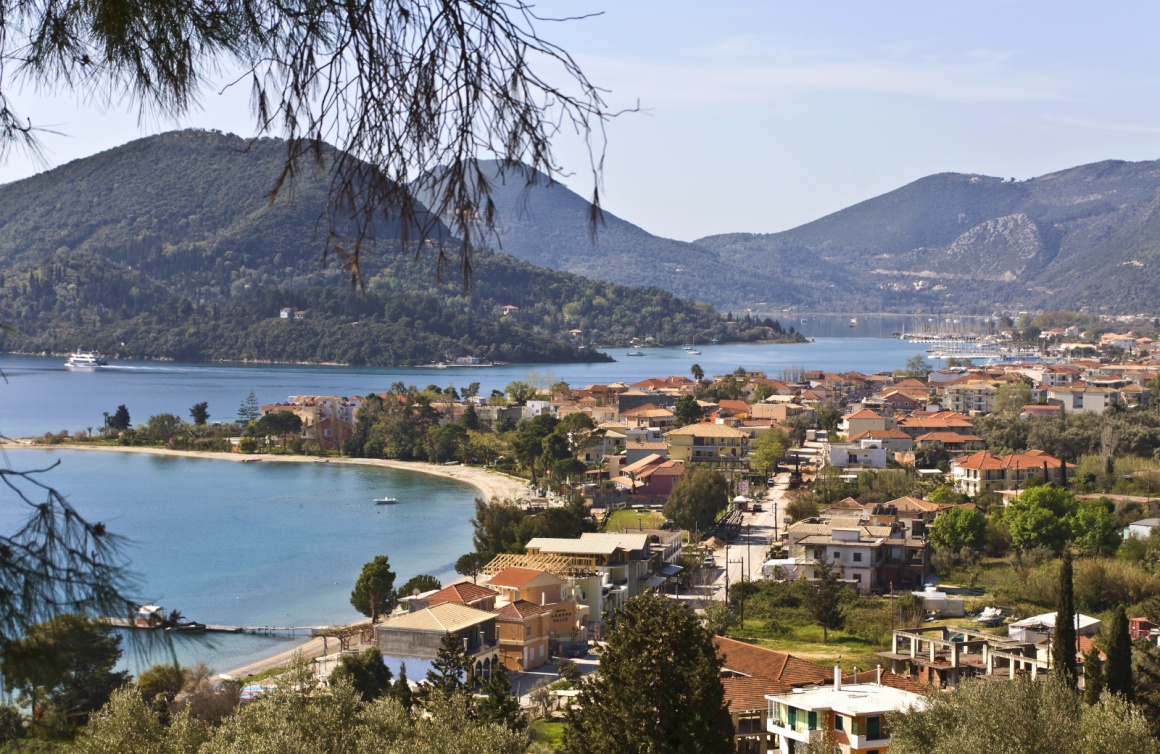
<point x="168" y="248"/>
<point x="547" y="224"/>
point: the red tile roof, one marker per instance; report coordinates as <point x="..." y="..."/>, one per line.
<point x="515" y="576"/>
<point x="463" y="592"/>
<point x="759" y="662"/>
<point x="520" y="609"/>
<point x="744" y="694"/>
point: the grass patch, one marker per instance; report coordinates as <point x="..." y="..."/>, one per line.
<point x="805" y="641"/>
<point x="548" y="733"/>
<point x="626" y="518"/>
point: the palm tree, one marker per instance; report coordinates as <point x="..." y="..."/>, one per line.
<point x="698" y="372"/>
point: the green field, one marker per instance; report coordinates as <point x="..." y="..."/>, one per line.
<point x="631" y="519"/>
<point x="551" y="734"/>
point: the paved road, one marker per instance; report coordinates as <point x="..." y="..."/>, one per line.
<point x="746" y="554"/>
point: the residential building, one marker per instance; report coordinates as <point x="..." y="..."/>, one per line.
<point x="1081" y="397"/>
<point x="923" y="422"/>
<point x="1142" y="529"/>
<point x="420" y="634"/>
<point x="970" y="396"/>
<point x="982" y="473"/>
<point x="708" y="443"/>
<point x="523" y="631"/>
<point x="941" y="657"/>
<point x="866" y="453"/>
<point x="852" y="715"/>
<point x="869" y="557"/>
<point x="864" y="420"/>
<point x="954" y="442"/>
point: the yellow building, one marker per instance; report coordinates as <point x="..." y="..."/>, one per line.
<point x="707" y="443"/>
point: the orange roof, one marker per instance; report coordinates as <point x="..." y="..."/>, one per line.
<point x="911" y="503"/>
<point x="881" y="434"/>
<point x="1029" y="460"/>
<point x="864" y="414"/>
<point x="758" y="662"/>
<point x="947" y="438"/>
<point x="936" y="420"/>
<point x="463" y="592"/>
<point x="911" y="382"/>
<point x="744" y="694"/>
<point x="515" y="577"/>
<point x="520" y="609"/>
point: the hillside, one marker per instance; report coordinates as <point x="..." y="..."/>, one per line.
<point x="167" y="247"/>
<point x="547" y="224"/>
<point x="1084" y="237"/>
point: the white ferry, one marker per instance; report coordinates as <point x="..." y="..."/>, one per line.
<point x="86" y="360"/>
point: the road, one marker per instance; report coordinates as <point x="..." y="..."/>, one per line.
<point x="746" y="554"/>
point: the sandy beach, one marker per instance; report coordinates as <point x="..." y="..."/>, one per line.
<point x="491" y="484"/>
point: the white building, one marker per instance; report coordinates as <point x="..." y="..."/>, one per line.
<point x="852" y="715"/>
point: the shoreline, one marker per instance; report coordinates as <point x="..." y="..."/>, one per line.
<point x="491" y="484"/>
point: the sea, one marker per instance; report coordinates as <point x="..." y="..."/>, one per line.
<point x="281" y="544"/>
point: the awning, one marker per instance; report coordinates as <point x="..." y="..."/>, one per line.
<point x="669" y="571"/>
<point x="652" y="582"/>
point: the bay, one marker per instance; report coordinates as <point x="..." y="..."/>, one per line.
<point x="257" y="544"/>
<point x="281" y="544"/>
<point x="40" y="395"/>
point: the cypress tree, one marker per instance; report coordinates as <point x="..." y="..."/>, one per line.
<point x="1118" y="671"/>
<point x="1093" y="676"/>
<point x="1063" y="642"/>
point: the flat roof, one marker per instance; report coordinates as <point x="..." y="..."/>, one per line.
<point x="560" y="545"/>
<point x="855" y="699"/>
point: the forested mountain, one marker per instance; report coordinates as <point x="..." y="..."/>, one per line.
<point x="1084" y="237"/>
<point x="547" y="224"/>
<point x="167" y="247"/>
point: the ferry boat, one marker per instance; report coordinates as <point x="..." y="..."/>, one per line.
<point x="86" y="360"/>
<point x="386" y="500"/>
<point x="635" y="353"/>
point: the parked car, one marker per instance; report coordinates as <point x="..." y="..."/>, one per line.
<point x="709" y="562"/>
<point x="756" y="508"/>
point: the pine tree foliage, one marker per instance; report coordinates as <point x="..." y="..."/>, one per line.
<point x="827" y="606"/>
<point x="449" y="671"/>
<point x="499" y="706"/>
<point x="658" y="689"/>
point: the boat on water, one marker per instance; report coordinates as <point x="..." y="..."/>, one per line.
<point x="386" y="500"/>
<point x="692" y="352"/>
<point x="635" y="353"/>
<point x="86" y="360"/>
<point x="853" y="321"/>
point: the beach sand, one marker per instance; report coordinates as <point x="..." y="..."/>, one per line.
<point x="491" y="485"/>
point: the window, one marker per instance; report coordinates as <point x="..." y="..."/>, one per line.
<point x="873" y="728"/>
<point x="813" y="720"/>
<point x="839" y="723"/>
<point x="527" y="630"/>
<point x="858" y="577"/>
<point x="857" y="557"/>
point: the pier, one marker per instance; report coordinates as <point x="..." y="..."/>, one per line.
<point x="219" y="629"/>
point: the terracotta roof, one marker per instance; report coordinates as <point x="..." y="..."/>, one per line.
<point x="893" y="680"/>
<point x="880" y="434"/>
<point x="744" y="694"/>
<point x="707" y="430"/>
<point x="911" y="503"/>
<point x="947" y="438"/>
<point x="936" y="420"/>
<point x="758" y="662"/>
<point x="864" y="414"/>
<point x="516" y="577"/>
<point x="463" y="592"/>
<point x="520" y="609"/>
<point x="446" y="617"/>
<point x="913" y="383"/>
<point x="1029" y="460"/>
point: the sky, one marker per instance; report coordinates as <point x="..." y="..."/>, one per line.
<point x="760" y="116"/>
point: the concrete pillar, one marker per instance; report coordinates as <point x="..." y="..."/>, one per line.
<point x="932" y="650"/>
<point x="894" y="643"/>
<point x="913" y="647"/>
<point x="954" y="655"/>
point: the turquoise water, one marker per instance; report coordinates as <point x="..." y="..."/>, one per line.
<point x="258" y="543"/>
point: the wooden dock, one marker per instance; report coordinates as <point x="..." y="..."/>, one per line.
<point x="220" y="629"/>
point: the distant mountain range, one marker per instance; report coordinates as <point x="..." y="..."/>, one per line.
<point x="167" y="247"/>
<point x="1084" y="237"/>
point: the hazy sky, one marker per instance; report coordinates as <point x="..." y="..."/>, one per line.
<point x="759" y="116"/>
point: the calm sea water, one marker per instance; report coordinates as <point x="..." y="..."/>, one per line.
<point x="281" y="544"/>
<point x="258" y="543"/>
<point x="40" y="395"/>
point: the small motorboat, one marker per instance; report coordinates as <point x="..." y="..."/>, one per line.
<point x="386" y="500"/>
<point x="635" y="353"/>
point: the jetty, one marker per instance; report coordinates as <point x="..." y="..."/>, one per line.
<point x="219" y="629"/>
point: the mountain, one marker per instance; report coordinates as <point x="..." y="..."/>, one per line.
<point x="167" y="247"/>
<point x="547" y="224"/>
<point x="1084" y="237"/>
